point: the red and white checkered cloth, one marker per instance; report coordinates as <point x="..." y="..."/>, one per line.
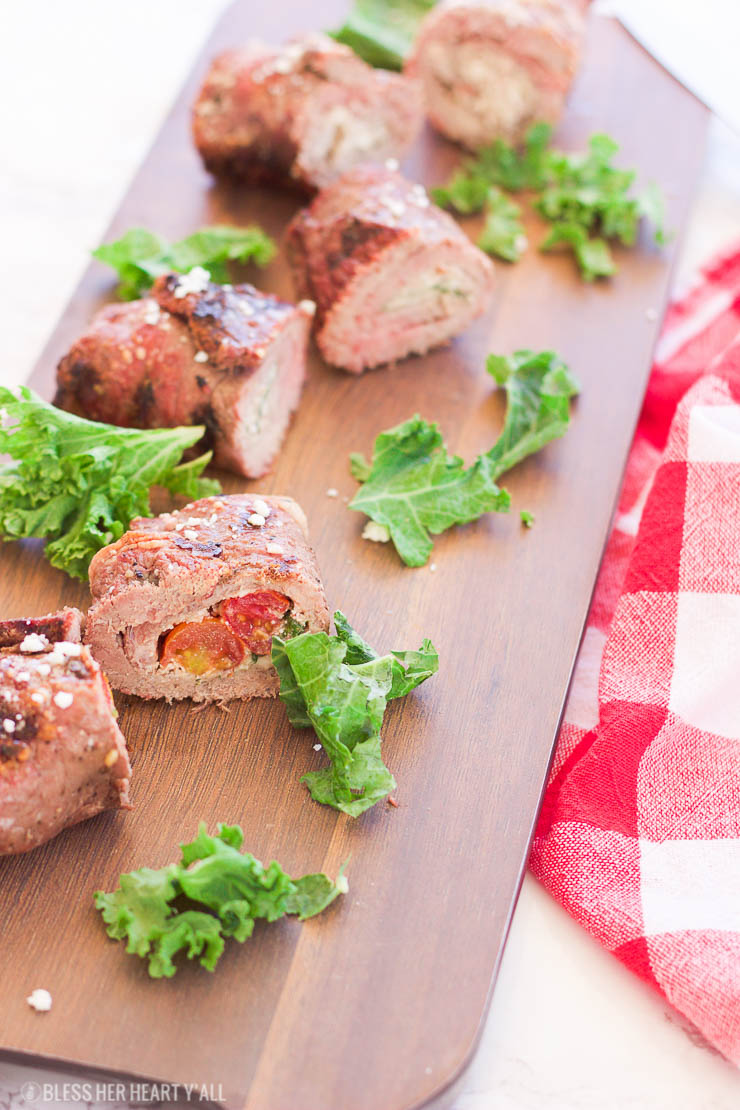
<point x="639" y="836"/>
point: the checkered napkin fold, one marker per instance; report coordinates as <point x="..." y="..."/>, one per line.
<point x="639" y="836"/>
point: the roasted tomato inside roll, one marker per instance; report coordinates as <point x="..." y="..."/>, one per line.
<point x="256" y="617"/>
<point x="202" y="646"/>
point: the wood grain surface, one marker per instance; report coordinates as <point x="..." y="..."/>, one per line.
<point x="375" y="1005"/>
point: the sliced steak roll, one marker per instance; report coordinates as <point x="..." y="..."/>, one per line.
<point x="491" y="68"/>
<point x="301" y="114"/>
<point x="390" y="273"/>
<point x="185" y="605"/>
<point x="194" y="352"/>
<point x="62" y="756"/>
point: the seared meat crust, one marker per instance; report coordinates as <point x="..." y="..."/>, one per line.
<point x="62" y="756"/>
<point x="231" y="358"/>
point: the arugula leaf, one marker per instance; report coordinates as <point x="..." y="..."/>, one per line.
<point x="340" y="686"/>
<point x="466" y="192"/>
<point x="381" y="32"/>
<point x="512" y="169"/>
<point x="538" y="387"/>
<point x="593" y="256"/>
<point x="409" y="668"/>
<point x="526" y="518"/>
<point x="139" y="257"/>
<point x="78" y="484"/>
<point x="499" y="164"/>
<point x="234" y="890"/>
<point x="594" y="263"/>
<point x="416" y="489"/>
<point x="503" y="233"/>
<point x="583" y="195"/>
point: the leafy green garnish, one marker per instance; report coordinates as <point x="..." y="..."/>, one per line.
<point x="538" y="387"/>
<point x="231" y="890"/>
<point x="416" y="489"/>
<point x="340" y="686"/>
<point x="497" y="165"/>
<point x="78" y="484"/>
<point x="526" y="518"/>
<point x="513" y="169"/>
<point x="139" y="257"/>
<point x="381" y="31"/>
<point x="586" y="198"/>
<point x="503" y="233"/>
<point x="593" y="255"/>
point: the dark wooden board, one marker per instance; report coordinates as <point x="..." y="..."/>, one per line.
<point x="377" y="1004"/>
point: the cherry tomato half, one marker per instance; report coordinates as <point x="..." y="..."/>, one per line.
<point x="202" y="646"/>
<point x="256" y="617"/>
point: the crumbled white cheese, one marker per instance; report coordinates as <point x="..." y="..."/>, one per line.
<point x="317" y="747"/>
<point x="332" y="492"/>
<point x="39" y="1000"/>
<point x="256" y="519"/>
<point x="274" y="549"/>
<point x="190" y="534"/>
<point x="391" y="164"/>
<point x="63" y="651"/>
<point x="262" y="508"/>
<point x="378" y="533"/>
<point x="308" y="306"/>
<point x="33" y="643"/>
<point x="342" y="884"/>
<point x="44" y="668"/>
<point x="63" y="699"/>
<point x="432" y="566"/>
<point x="23" y="676"/>
<point x="395" y="207"/>
<point x="200" y="356"/>
<point x="38" y="697"/>
<point x="9" y="725"/>
<point x="193" y="282"/>
<point x="152" y="314"/>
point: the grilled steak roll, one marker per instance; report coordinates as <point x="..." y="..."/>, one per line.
<point x="194" y="352"/>
<point x="301" y="114"/>
<point x="185" y="605"/>
<point x="62" y="756"/>
<point x="390" y="273"/>
<point x="491" y="68"/>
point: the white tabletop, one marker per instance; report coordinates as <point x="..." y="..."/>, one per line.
<point x="569" y="1027"/>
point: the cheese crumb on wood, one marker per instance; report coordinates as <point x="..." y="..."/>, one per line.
<point x="378" y="533"/>
<point x="39" y="1000"/>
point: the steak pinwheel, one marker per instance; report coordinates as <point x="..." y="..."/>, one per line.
<point x="194" y="352"/>
<point x="491" y="68"/>
<point x="62" y="756"/>
<point x="185" y="605"/>
<point x="301" y="114"/>
<point x="390" y="273"/>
